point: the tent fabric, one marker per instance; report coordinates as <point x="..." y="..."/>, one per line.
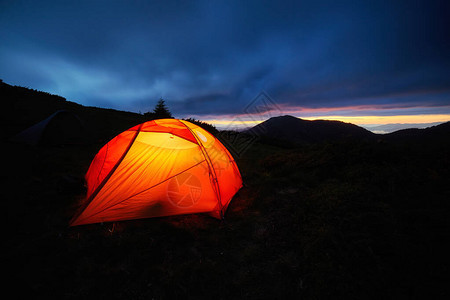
<point x="61" y="128"/>
<point x="159" y="168"/>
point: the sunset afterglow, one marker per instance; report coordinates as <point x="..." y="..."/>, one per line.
<point x="369" y="64"/>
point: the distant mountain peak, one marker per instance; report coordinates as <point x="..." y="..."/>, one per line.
<point x="299" y="131"/>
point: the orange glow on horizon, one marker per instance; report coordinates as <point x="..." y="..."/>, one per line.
<point x="357" y="120"/>
<point x="379" y="120"/>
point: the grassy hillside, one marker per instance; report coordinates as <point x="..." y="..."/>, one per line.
<point x="351" y="219"/>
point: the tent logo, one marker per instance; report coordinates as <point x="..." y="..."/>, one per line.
<point x="201" y="136"/>
<point x="184" y="190"/>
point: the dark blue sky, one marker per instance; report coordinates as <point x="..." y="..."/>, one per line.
<point x="211" y="58"/>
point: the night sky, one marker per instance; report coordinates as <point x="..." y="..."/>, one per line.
<point x="365" y="62"/>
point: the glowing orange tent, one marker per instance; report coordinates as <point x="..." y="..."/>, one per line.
<point x="159" y="168"/>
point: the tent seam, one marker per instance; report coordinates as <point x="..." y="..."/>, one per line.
<point x="168" y="178"/>
<point x="107" y="177"/>
<point x="211" y="168"/>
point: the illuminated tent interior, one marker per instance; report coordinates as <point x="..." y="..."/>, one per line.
<point x="159" y="168"/>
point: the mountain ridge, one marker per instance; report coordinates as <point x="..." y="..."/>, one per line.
<point x="300" y="131"/>
<point x="297" y="131"/>
<point x="25" y="107"/>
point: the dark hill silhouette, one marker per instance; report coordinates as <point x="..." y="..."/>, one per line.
<point x="298" y="131"/>
<point x="24" y="107"/>
<point x="433" y="132"/>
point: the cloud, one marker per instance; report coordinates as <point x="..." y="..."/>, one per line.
<point x="208" y="57"/>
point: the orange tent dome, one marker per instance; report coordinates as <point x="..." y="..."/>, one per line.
<point x="159" y="168"/>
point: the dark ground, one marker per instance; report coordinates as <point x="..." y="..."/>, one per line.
<point x="342" y="220"/>
<point x="354" y="220"/>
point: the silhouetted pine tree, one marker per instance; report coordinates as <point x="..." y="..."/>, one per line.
<point x="160" y="112"/>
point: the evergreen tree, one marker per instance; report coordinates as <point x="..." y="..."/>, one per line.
<point x="161" y="111"/>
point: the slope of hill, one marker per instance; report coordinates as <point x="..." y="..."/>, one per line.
<point x="24" y="107"/>
<point x="299" y="131"/>
<point x="434" y="132"/>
